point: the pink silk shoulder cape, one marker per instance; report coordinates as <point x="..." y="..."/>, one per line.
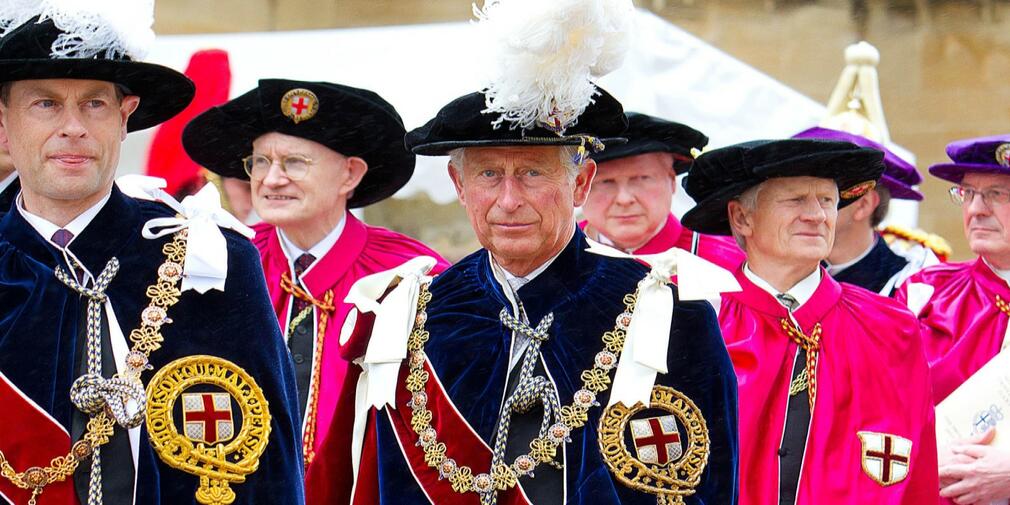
<point x="361" y="250"/>
<point x="722" y="251"/>
<point x="962" y="328"/>
<point x="871" y="376"/>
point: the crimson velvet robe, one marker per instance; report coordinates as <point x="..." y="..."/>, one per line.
<point x="962" y="328"/>
<point x="361" y="250"/>
<point x="722" y="251"/>
<point x="871" y="376"/>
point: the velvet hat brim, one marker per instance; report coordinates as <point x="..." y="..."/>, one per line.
<point x="464" y="123"/>
<point x="722" y="175"/>
<point x="25" y="54"/>
<point x="350" y="121"/>
<point x="648" y="134"/>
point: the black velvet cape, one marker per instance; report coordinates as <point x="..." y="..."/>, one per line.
<point x="39" y="318"/>
<point x="469" y="349"/>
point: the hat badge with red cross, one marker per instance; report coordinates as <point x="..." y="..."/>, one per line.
<point x="885" y="458"/>
<point x="299" y="104"/>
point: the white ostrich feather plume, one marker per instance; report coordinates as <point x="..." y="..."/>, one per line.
<point x="544" y="54"/>
<point x="117" y="27"/>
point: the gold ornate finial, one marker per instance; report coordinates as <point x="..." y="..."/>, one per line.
<point x="855" y="105"/>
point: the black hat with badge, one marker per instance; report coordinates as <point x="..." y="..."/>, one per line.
<point x="84" y="45"/>
<point x="650" y="134"/>
<point x="351" y="121"/>
<point x="721" y="175"/>
<point x="465" y="122"/>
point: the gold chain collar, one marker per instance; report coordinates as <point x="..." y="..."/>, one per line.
<point x="326" y="308"/>
<point x="542" y="449"/>
<point x="163" y="294"/>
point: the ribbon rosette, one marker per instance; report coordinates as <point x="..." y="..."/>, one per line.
<point x="206" y="265"/>
<point x="648" y="337"/>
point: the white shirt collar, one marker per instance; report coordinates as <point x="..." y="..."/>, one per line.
<point x="835" y="269"/>
<point x="802" y="291"/>
<point x="292" y="252"/>
<point x="46" y="229"/>
<point x="7" y="181"/>
<point x="1003" y="274"/>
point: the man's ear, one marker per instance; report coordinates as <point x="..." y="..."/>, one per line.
<point x="863" y="207"/>
<point x="584" y="181"/>
<point x="356" y="170"/>
<point x="739" y="219"/>
<point x="4" y="141"/>
<point x="127" y="107"/>
<point x="455" y="173"/>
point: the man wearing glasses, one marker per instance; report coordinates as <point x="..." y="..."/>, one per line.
<point x="311" y="150"/>
<point x="962" y="308"/>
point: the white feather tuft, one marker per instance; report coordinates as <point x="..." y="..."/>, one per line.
<point x="115" y="27"/>
<point x="545" y="53"/>
<point x="13" y="13"/>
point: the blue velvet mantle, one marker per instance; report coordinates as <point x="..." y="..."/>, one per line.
<point x="469" y="349"/>
<point x="39" y="319"/>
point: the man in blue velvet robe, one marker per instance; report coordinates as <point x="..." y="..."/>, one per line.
<point x="99" y="301"/>
<point x="506" y="400"/>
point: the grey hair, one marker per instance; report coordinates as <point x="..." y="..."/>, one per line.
<point x="457" y="157"/>
<point x="747" y="200"/>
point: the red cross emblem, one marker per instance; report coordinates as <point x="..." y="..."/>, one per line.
<point x="885" y="457"/>
<point x="299" y="104"/>
<point x="207" y="417"/>
<point x="657" y="439"/>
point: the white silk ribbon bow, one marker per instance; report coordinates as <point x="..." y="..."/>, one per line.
<point x="206" y="265"/>
<point x="647" y="339"/>
<point x="394" y="321"/>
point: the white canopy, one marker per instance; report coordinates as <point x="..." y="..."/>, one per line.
<point x="420" y="68"/>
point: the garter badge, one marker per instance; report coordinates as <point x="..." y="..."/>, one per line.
<point x="885" y="457"/>
<point x="299" y="104"/>
<point x="207" y="417"/>
<point x="670" y="442"/>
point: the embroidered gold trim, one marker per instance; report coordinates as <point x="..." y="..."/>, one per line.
<point x="217" y="465"/>
<point x="670" y="482"/>
<point x="542" y="449"/>
<point x="326" y="308"/>
<point x="163" y="294"/>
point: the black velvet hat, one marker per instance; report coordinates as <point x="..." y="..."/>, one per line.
<point x="350" y="121"/>
<point x="463" y="123"/>
<point x="724" y="174"/>
<point x="650" y="134"/>
<point x="26" y="53"/>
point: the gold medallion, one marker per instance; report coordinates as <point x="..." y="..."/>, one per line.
<point x="208" y="445"/>
<point x="671" y="450"/>
<point x="858" y="190"/>
<point x="1003" y="155"/>
<point x="299" y="104"/>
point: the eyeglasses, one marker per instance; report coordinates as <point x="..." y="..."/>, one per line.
<point x="993" y="196"/>
<point x="295" y="167"/>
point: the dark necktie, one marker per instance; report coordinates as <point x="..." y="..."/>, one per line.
<point x="794" y="436"/>
<point x="301" y="341"/>
<point x="301" y="265"/>
<point x="62" y="237"/>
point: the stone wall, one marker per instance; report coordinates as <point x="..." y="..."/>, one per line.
<point x="944" y="71"/>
